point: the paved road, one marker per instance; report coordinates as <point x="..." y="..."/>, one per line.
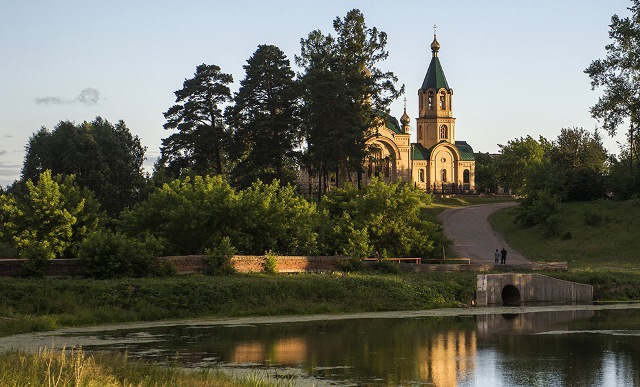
<point x="473" y="236"/>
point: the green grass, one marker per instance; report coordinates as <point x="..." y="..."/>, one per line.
<point x="73" y="367"/>
<point x="28" y="305"/>
<point x="440" y="204"/>
<point x="601" y="234"/>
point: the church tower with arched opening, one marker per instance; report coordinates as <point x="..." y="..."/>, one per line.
<point x="436" y="162"/>
<point x="440" y="163"/>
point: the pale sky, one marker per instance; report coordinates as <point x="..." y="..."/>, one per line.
<point x="516" y="67"/>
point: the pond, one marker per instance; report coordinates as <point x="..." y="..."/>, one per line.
<point x="528" y="346"/>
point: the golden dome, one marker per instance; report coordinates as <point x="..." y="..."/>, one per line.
<point x="405" y="119"/>
<point x="435" y="46"/>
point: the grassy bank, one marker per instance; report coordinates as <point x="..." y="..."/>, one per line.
<point x="28" y="305"/>
<point x="76" y="368"/>
<point x="440" y="204"/>
<point x="602" y="234"/>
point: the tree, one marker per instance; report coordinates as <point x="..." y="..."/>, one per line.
<point x="344" y="93"/>
<point x="189" y="215"/>
<point x="273" y="217"/>
<point x="516" y="160"/>
<point x="485" y="173"/>
<point x="51" y="220"/>
<point x="619" y="75"/>
<point x="265" y="120"/>
<point x="380" y="217"/>
<point x="202" y="140"/>
<point x="105" y="158"/>
<point x="581" y="159"/>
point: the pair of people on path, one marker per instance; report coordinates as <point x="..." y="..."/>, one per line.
<point x="501" y="255"/>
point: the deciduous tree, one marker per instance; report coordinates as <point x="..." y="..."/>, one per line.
<point x="51" y="219"/>
<point x="619" y="77"/>
<point x="516" y="161"/>
<point x="105" y="158"/>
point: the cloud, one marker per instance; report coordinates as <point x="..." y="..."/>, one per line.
<point x="3" y="152"/>
<point x="87" y="97"/>
<point x="49" y="101"/>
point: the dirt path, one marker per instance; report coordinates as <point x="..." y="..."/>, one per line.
<point x="473" y="236"/>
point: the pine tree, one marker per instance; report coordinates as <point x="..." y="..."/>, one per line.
<point x="344" y="93"/>
<point x="265" y="120"/>
<point x="201" y="143"/>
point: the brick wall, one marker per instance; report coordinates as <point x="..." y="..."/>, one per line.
<point x="188" y="264"/>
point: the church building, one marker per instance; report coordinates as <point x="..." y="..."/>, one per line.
<point x="437" y="162"/>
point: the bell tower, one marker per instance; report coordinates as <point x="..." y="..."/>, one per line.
<point x="435" y="122"/>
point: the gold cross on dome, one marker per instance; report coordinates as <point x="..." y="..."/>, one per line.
<point x="434" y="29"/>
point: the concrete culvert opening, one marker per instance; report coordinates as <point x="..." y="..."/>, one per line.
<point x="510" y="296"/>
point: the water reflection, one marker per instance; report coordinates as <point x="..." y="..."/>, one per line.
<point x="570" y="348"/>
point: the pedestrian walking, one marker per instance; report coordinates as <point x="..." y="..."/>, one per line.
<point x="496" y="256"/>
<point x="503" y="256"/>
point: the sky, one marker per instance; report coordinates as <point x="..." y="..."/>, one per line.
<point x="516" y="67"/>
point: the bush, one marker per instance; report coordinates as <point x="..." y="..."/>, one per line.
<point x="537" y="208"/>
<point x="270" y="264"/>
<point x="8" y="250"/>
<point x="551" y="226"/>
<point x="219" y="259"/>
<point x="349" y="265"/>
<point x="592" y="218"/>
<point x="387" y="267"/>
<point x="107" y="255"/>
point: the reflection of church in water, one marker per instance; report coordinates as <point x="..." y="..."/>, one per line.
<point x="436" y="162"/>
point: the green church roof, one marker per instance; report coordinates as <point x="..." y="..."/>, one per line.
<point x="422" y="153"/>
<point x="466" y="152"/>
<point x="392" y="123"/>
<point x="435" y="78"/>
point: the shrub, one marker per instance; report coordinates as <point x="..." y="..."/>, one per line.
<point x="537" y="208"/>
<point x="8" y="250"/>
<point x="107" y="255"/>
<point x="270" y="265"/>
<point x="551" y="226"/>
<point x="349" y="265"/>
<point x="592" y="218"/>
<point x="219" y="259"/>
<point x="387" y="267"/>
<point x="163" y="269"/>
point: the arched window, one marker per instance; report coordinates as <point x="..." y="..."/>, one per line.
<point x="430" y="101"/>
<point x="444" y="175"/>
<point x="465" y="176"/>
<point x="443" y="132"/>
<point x="421" y="175"/>
<point x="420" y="132"/>
<point x="442" y="104"/>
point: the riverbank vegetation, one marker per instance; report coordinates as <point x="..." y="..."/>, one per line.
<point x="28" y="305"/>
<point x="74" y="367"/>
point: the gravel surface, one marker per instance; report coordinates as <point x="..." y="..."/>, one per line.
<point x="473" y="236"/>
